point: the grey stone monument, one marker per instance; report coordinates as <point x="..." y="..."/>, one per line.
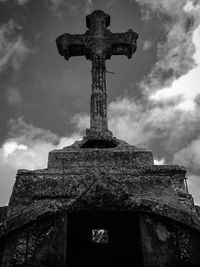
<point x="100" y="201"/>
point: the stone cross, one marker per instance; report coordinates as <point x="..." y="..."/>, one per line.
<point x="98" y="44"/>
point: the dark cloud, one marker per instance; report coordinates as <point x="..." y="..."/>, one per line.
<point x="13" y="48"/>
<point x="20" y="2"/>
<point x="75" y="7"/>
<point x="21" y="130"/>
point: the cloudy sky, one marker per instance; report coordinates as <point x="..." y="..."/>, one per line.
<point x="153" y="98"/>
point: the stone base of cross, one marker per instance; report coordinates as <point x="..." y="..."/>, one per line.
<point x="95" y="134"/>
<point x="99" y="139"/>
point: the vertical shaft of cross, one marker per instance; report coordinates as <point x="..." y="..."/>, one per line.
<point x="98" y="107"/>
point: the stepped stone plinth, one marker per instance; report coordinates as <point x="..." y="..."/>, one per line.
<point x="80" y="154"/>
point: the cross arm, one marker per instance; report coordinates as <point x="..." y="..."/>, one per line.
<point x="70" y="45"/>
<point x="124" y="43"/>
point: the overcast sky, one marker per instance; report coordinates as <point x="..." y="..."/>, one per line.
<point x="153" y="98"/>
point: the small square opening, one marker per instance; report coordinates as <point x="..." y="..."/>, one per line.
<point x="100" y="236"/>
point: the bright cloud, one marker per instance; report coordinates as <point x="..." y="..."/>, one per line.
<point x="189" y="155"/>
<point x="194" y="185"/>
<point x="196" y="41"/>
<point x="168" y="122"/>
<point x="142" y="125"/>
<point x="81" y="121"/>
<point x="11" y="147"/>
<point x="186" y="87"/>
<point x="168" y="131"/>
<point x="26" y="148"/>
<point x="176" y="49"/>
<point x="191" y="6"/>
<point x="159" y="161"/>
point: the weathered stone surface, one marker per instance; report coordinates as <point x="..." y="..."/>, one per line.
<point x="176" y="245"/>
<point x="109" y="180"/>
<point x="100" y="182"/>
<point x="197" y="208"/>
<point x="92" y="43"/>
<point x="87" y="157"/>
<point x="39" y="244"/>
<point x="112" y="179"/>
<point x="3" y="212"/>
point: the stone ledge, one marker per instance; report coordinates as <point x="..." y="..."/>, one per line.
<point x="157" y="169"/>
<point x="63" y="159"/>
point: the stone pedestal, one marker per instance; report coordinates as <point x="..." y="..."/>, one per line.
<point x="95" y="185"/>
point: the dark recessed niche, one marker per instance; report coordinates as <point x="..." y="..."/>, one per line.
<point x="95" y="143"/>
<point x="103" y="239"/>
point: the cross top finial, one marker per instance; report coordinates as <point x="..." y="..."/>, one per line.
<point x="98" y="17"/>
<point x="98" y="44"/>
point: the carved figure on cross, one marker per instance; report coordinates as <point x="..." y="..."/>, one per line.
<point x="98" y="44"/>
